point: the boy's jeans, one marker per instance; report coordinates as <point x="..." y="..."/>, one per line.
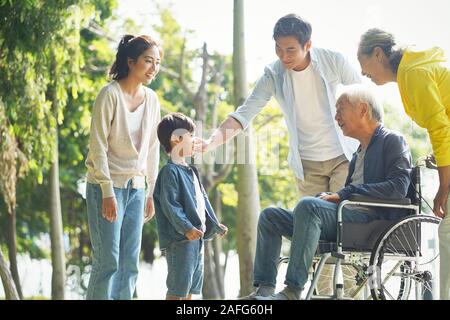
<point x="444" y="252"/>
<point x="311" y="220"/>
<point x="115" y="245"/>
<point x="184" y="268"/>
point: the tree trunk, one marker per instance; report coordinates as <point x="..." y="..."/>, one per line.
<point x="56" y="230"/>
<point x="12" y="251"/>
<point x="210" y="289"/>
<point x="217" y="246"/>
<point x="56" y="224"/>
<point x="247" y="186"/>
<point x="8" y="282"/>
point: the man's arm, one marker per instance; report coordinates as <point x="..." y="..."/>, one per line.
<point x="241" y="118"/>
<point x="347" y="74"/>
<point x="227" y="130"/>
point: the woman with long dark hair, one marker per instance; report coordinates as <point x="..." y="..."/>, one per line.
<point x="122" y="167"/>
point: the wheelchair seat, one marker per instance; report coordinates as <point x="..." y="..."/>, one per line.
<point x="358" y="236"/>
<point x="362" y="237"/>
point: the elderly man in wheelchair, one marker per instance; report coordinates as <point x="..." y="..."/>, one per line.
<point x="371" y="230"/>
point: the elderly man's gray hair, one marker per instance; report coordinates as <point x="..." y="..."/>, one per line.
<point x="358" y="93"/>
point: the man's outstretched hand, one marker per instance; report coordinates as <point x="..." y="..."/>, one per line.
<point x="201" y="145"/>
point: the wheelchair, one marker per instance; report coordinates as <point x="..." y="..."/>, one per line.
<point x="383" y="259"/>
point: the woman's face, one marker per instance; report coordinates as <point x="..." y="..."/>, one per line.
<point x="146" y="67"/>
<point x="375" y="66"/>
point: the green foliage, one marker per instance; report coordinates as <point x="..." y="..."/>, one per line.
<point x="277" y="184"/>
<point x="416" y="136"/>
<point x="49" y="83"/>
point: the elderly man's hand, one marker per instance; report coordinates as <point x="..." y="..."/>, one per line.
<point x="333" y="197"/>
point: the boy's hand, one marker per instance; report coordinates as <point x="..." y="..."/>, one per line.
<point x="194" y="234"/>
<point x="149" y="209"/>
<point x="225" y="230"/>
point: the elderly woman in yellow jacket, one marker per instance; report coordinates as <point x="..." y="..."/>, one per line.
<point x="424" y="85"/>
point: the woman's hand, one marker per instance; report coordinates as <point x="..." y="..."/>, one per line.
<point x="440" y="202"/>
<point x="441" y="198"/>
<point x="109" y="209"/>
<point x="149" y="211"/>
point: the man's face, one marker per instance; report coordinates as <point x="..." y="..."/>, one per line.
<point x="291" y="53"/>
<point x="347" y="117"/>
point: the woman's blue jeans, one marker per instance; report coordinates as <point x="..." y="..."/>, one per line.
<point x="115" y="245"/>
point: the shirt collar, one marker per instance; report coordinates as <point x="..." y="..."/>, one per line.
<point x="186" y="168"/>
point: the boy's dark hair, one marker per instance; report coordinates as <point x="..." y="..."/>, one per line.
<point x="171" y="122"/>
<point x="293" y="25"/>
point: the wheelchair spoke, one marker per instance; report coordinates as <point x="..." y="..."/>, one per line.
<point x="417" y="247"/>
<point x="401" y="243"/>
<point x="412" y="249"/>
<point x="386" y="291"/>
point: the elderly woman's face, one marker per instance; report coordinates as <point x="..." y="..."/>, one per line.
<point x="374" y="67"/>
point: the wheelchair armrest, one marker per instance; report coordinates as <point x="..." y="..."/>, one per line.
<point x="361" y="198"/>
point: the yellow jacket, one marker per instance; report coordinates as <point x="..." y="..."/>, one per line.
<point x="424" y="85"/>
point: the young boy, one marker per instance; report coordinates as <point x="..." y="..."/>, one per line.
<point x="184" y="214"/>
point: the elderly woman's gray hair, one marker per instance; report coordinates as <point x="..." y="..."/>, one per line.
<point x="358" y="93"/>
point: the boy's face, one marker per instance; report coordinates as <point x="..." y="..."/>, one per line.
<point x="183" y="141"/>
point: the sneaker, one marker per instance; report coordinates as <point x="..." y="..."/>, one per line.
<point x="285" y="294"/>
<point x="260" y="292"/>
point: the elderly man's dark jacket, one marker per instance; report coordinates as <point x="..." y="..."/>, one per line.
<point x="387" y="169"/>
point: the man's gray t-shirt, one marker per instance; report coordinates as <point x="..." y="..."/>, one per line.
<point x="358" y="174"/>
<point x="358" y="178"/>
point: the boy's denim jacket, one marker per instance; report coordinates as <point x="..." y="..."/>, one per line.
<point x="176" y="205"/>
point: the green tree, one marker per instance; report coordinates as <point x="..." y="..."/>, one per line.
<point x="40" y="63"/>
<point x="247" y="185"/>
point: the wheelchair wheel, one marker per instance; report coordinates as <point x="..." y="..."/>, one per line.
<point x="354" y="276"/>
<point x="405" y="261"/>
